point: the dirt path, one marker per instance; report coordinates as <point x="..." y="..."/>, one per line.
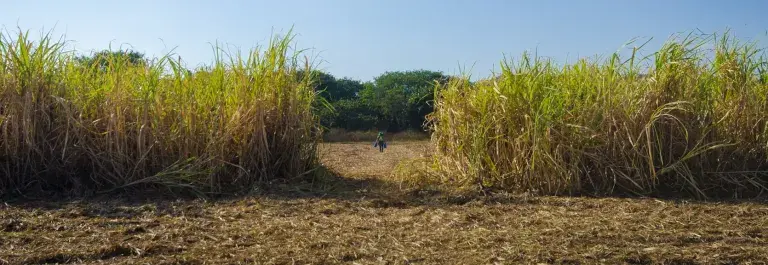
<point x="368" y="229"/>
<point x="362" y="160"/>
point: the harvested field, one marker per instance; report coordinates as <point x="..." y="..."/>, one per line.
<point x="358" y="220"/>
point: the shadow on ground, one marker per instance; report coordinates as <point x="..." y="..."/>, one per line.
<point x="370" y="190"/>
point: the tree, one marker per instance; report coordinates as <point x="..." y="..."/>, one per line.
<point x="393" y="101"/>
<point x="346" y="89"/>
<point x="345" y="111"/>
<point x="404" y="98"/>
<point x="103" y="58"/>
<point x="333" y="89"/>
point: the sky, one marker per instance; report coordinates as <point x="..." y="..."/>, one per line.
<point x="362" y="39"/>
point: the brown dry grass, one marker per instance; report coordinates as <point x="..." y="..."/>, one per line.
<point x="361" y="224"/>
<point x="362" y="160"/>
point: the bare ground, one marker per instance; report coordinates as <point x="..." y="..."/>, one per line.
<point x="360" y="219"/>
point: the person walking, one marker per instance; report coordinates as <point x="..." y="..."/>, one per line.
<point x="380" y="142"/>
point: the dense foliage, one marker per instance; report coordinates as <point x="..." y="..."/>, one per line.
<point x="113" y="120"/>
<point x="691" y="121"/>
<point x="393" y="101"/>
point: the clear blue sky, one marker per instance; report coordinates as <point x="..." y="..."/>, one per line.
<point x="363" y="38"/>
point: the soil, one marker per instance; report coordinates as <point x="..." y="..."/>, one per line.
<point x="361" y="217"/>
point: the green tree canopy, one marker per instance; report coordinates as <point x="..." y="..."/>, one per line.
<point x="333" y="89"/>
<point x="102" y="58"/>
<point x="403" y="98"/>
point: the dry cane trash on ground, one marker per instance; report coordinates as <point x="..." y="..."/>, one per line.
<point x="360" y="223"/>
